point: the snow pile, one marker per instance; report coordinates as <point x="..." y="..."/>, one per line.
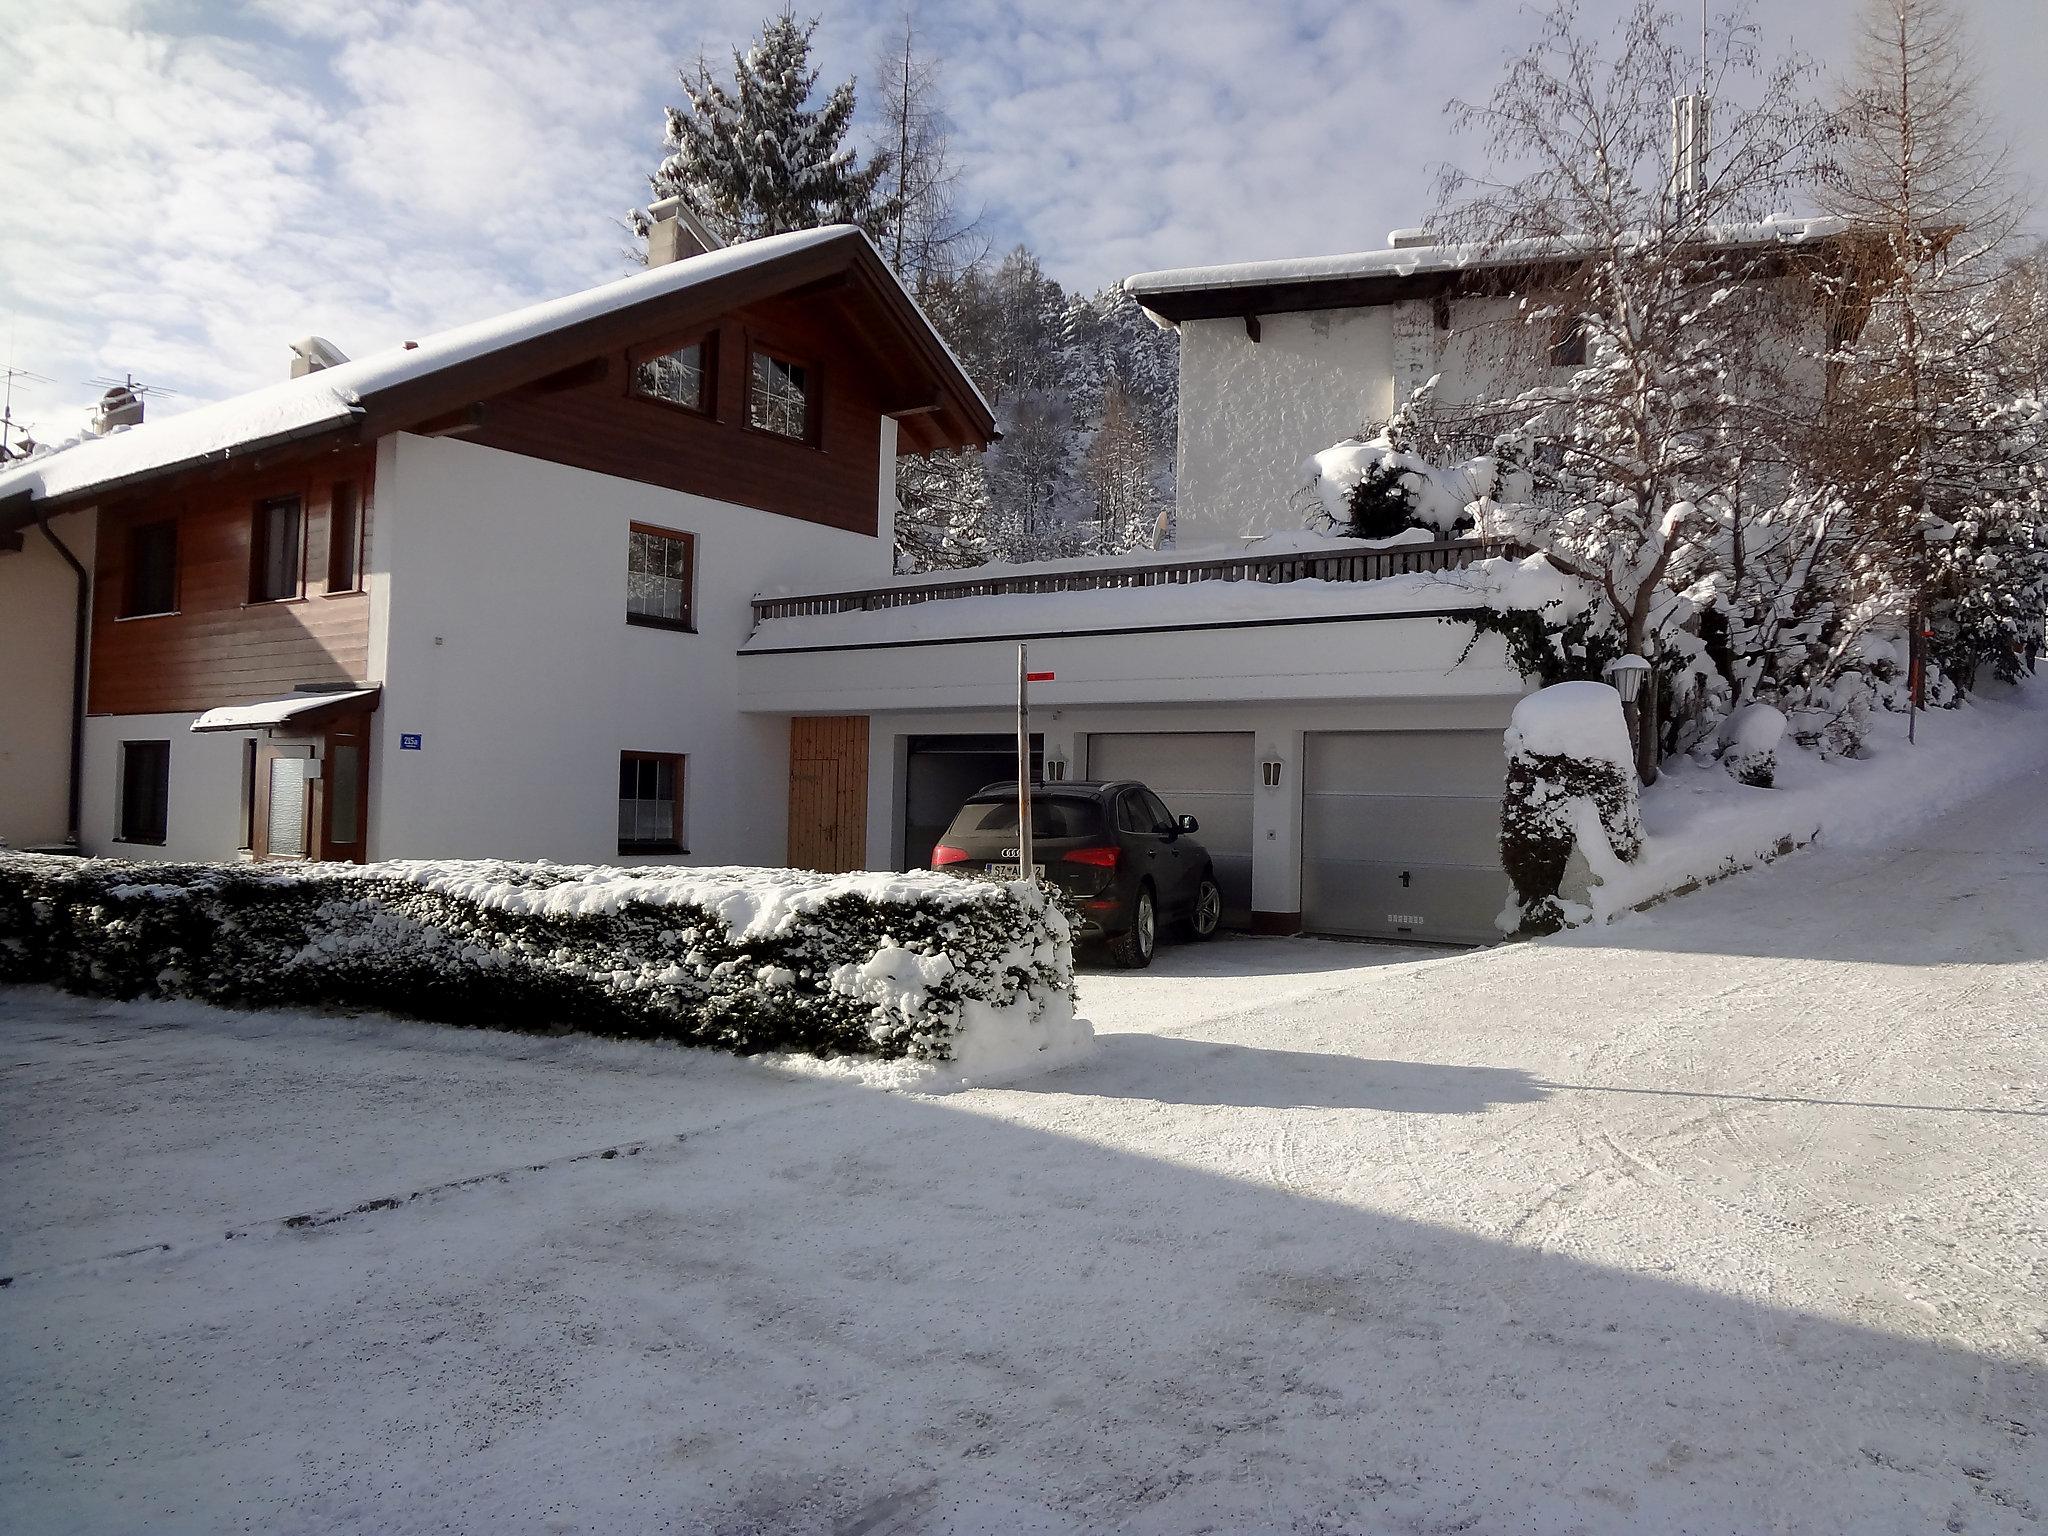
<point x="1571" y="788"/>
<point x="921" y="967"/>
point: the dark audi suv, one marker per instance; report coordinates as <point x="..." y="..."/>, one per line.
<point x="1127" y="862"/>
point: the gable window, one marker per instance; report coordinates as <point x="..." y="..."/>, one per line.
<point x="152" y="585"/>
<point x="779" y="399"/>
<point x="344" y="538"/>
<point x="680" y="377"/>
<point x="276" y="549"/>
<point x="144" y="811"/>
<point x="650" y="803"/>
<point x="660" y="570"/>
<point x="1568" y="342"/>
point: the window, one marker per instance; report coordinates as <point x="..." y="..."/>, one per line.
<point x="145" y="791"/>
<point x="152" y="570"/>
<point x="780" y="400"/>
<point x="1139" y="810"/>
<point x="344" y="538"/>
<point x="1568" y="342"/>
<point x="284" y="830"/>
<point x="1064" y="816"/>
<point x="275" y="545"/>
<point x="650" y="803"/>
<point x="659" y="573"/>
<point x="680" y="377"/>
<point x="344" y="789"/>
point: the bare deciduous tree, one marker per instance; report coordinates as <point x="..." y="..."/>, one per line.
<point x="927" y="237"/>
<point x="1666" y="321"/>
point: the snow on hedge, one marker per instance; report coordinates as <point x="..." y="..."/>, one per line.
<point x="921" y="967"/>
<point x="1571" y="787"/>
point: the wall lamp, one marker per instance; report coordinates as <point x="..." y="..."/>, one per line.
<point x="1269" y="772"/>
<point x="1055" y="766"/>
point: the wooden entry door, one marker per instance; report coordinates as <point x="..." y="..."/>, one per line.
<point x="305" y="807"/>
<point x="828" y="793"/>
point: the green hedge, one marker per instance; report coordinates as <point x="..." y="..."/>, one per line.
<point x="741" y="960"/>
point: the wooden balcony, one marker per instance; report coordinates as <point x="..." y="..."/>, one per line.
<point x="1337" y="565"/>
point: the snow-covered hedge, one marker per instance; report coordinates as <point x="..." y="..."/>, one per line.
<point x="1571" y="785"/>
<point x="745" y="960"/>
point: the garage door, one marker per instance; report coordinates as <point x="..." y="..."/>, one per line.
<point x="1401" y="834"/>
<point x="1204" y="774"/>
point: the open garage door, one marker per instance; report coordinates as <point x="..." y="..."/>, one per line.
<point x="1401" y="834"/>
<point x="940" y="772"/>
<point x="1204" y="774"/>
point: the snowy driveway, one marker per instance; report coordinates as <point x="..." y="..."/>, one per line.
<point x="1728" y="1219"/>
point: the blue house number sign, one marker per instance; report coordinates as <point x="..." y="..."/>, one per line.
<point x="408" y="743"/>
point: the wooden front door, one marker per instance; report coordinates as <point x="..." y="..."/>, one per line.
<point x="313" y="808"/>
<point x="828" y="793"/>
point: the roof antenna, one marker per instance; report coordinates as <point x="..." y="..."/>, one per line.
<point x="1691" y="117"/>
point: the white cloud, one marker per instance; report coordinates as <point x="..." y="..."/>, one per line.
<point x="182" y="203"/>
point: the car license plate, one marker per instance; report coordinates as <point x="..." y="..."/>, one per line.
<point x="1013" y="871"/>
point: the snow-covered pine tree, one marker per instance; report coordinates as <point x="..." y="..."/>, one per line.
<point x="757" y="158"/>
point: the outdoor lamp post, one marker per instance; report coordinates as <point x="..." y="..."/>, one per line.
<point x="1626" y="675"/>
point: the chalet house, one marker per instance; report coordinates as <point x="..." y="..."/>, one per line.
<point x="480" y="595"/>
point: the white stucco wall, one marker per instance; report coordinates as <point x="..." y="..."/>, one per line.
<point x="1252" y="413"/>
<point x="38" y="596"/>
<point x="204" y="815"/>
<point x="1350" y="659"/>
<point x="509" y="654"/>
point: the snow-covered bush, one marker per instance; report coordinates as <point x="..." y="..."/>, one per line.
<point x="1571" y="784"/>
<point x="1753" y="733"/>
<point x="1383" y="486"/>
<point x="744" y="960"/>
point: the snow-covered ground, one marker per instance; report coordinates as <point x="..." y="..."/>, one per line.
<point x="1726" y="1217"/>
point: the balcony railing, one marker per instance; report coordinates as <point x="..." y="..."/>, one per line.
<point x="1337" y="565"/>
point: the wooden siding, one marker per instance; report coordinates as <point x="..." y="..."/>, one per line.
<point x="217" y="647"/>
<point x="590" y="419"/>
<point x="828" y="793"/>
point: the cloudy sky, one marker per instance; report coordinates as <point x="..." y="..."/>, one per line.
<point x="188" y="187"/>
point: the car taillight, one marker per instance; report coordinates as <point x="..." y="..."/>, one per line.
<point x="942" y="856"/>
<point x="1105" y="858"/>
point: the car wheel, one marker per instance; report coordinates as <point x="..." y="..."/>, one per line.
<point x="1132" y="949"/>
<point x="1206" y="915"/>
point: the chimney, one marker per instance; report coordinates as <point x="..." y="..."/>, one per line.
<point x="120" y="406"/>
<point x="674" y="232"/>
<point x="1691" y="128"/>
<point x="1409" y="239"/>
<point x="312" y="353"/>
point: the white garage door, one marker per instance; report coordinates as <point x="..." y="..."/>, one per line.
<point x="1401" y="834"/>
<point x="1203" y="774"/>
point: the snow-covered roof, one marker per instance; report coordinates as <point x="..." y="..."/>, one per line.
<point x="330" y="397"/>
<point x="1428" y="261"/>
<point x="275" y="712"/>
